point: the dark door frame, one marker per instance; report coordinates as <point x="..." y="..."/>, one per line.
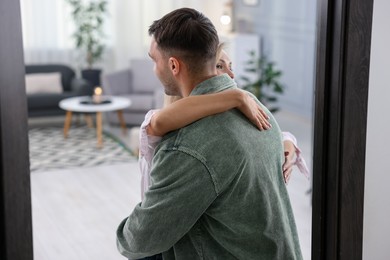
<point x="342" y="72"/>
<point x="15" y="200"/>
<point x="343" y="59"/>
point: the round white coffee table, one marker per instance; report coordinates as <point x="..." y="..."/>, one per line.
<point x="83" y="105"/>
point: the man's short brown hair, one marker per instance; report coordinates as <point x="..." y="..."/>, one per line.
<point x="188" y="34"/>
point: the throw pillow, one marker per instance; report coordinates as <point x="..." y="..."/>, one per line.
<point x="43" y="83"/>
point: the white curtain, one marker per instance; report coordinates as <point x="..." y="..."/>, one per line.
<point x="47" y="34"/>
<point x="48" y="26"/>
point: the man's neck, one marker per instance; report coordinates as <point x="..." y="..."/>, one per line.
<point x="191" y="84"/>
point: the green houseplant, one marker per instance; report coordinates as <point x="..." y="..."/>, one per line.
<point x="266" y="86"/>
<point x="88" y="18"/>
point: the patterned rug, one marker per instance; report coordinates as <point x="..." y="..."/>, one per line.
<point x="49" y="150"/>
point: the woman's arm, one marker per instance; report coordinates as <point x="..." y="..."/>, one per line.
<point x="192" y="108"/>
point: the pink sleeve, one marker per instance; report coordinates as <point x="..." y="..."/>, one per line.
<point x="147" y="145"/>
<point x="299" y="161"/>
<point x="148" y="142"/>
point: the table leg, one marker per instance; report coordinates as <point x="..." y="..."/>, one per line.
<point x="68" y="121"/>
<point x="122" y="121"/>
<point x="99" y="129"/>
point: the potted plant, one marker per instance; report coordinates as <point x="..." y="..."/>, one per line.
<point x="89" y="19"/>
<point x="267" y="86"/>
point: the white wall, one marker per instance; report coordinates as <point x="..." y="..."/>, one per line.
<point x="376" y="229"/>
<point x="288" y="31"/>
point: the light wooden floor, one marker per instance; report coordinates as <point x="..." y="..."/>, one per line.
<point x="76" y="212"/>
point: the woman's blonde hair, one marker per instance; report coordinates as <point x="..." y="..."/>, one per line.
<point x="220" y="48"/>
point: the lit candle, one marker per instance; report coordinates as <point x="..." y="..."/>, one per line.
<point x="97" y="95"/>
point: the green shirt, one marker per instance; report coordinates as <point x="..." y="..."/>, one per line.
<point x="217" y="192"/>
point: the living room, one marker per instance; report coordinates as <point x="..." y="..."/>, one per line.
<point x="285" y="37"/>
<point x="349" y="180"/>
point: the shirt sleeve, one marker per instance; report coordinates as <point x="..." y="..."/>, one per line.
<point x="181" y="190"/>
<point x="299" y="161"/>
<point x="147" y="144"/>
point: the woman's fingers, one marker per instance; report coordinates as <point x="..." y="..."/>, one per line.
<point x="287" y="168"/>
<point x="253" y="111"/>
<point x="259" y="124"/>
<point x="263" y="113"/>
<point x="287" y="175"/>
<point x="263" y="121"/>
<point x="264" y="117"/>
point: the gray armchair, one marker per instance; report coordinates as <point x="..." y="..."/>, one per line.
<point x="140" y="85"/>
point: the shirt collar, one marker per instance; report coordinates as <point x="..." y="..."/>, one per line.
<point x="214" y="84"/>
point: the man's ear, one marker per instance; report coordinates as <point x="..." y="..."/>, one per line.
<point x="174" y="65"/>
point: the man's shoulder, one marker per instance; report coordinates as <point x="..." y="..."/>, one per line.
<point x="211" y="133"/>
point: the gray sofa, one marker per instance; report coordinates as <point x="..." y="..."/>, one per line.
<point x="46" y="104"/>
<point x="140" y="85"/>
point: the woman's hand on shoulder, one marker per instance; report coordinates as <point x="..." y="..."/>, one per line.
<point x="252" y="110"/>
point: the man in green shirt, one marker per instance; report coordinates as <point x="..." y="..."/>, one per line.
<point x="217" y="188"/>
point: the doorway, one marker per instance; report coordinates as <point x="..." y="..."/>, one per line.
<point x="340" y="120"/>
